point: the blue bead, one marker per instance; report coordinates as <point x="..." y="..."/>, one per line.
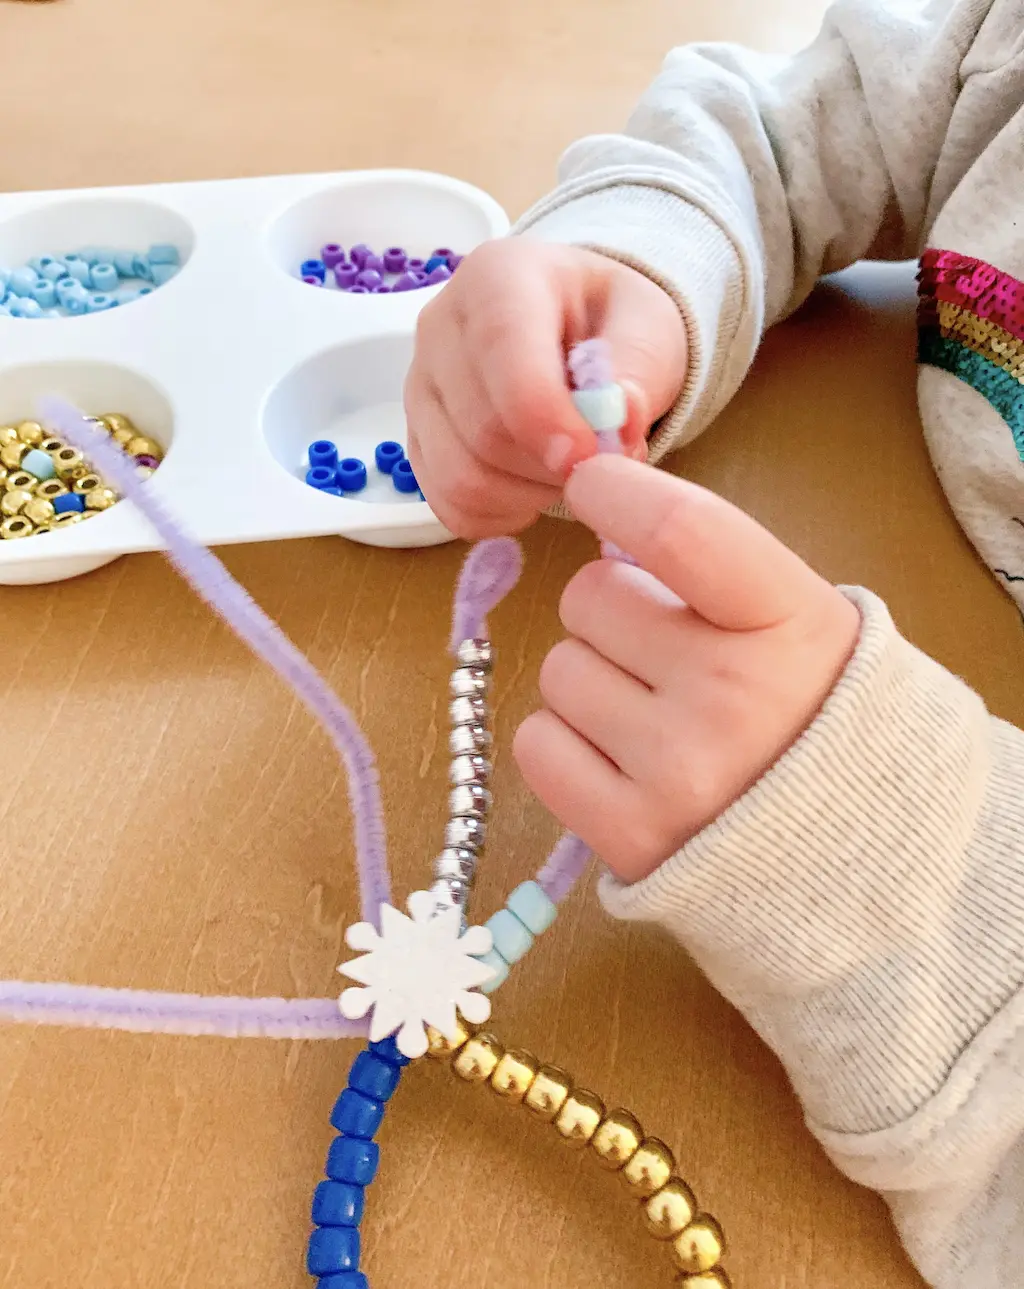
<point x="337" y="1204"/>
<point x="500" y="966"/>
<point x="388" y="455"/>
<point x="351" y="1160"/>
<point x="67" y="502"/>
<point x="100" y="302"/>
<point x="77" y="269"/>
<point x="511" y="938"/>
<point x="373" y="1077"/>
<point x="403" y="477"/>
<point x="164" y="253"/>
<point x="351" y="475"/>
<point x="124" y="262"/>
<point x="323" y="452"/>
<point x="387" y="1050"/>
<point x="332" y="1248"/>
<point x="356" y="1115"/>
<point x="91" y="254"/>
<point x="345" y="1280"/>
<point x="35" y="263"/>
<point x="320" y="476"/>
<point x="4" y="311"/>
<point x="103" y="277"/>
<point x="332" y="491"/>
<point x="51" y="268"/>
<point x="435" y="262"/>
<point x="74" y="306"/>
<point x="38" y="463"/>
<point x="141" y="269"/>
<point x="22" y="307"/>
<point x="133" y="293"/>
<point x="313" y="268"/>
<point x="45" y="294"/>
<point x="22" y="281"/>
<point x="162" y="273"/>
<point x="532" y="907"/>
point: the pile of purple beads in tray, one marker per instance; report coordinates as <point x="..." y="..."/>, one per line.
<point x="363" y="272"/>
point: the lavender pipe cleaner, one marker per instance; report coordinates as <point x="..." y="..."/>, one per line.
<point x="490" y="571"/>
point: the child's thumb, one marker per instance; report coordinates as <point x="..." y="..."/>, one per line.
<point x="647" y="338"/>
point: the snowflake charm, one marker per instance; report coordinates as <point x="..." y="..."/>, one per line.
<point x="417" y="971"/>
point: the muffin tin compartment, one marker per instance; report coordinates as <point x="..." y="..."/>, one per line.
<point x="234" y="366"/>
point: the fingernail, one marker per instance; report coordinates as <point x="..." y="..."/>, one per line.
<point x="557" y="454"/>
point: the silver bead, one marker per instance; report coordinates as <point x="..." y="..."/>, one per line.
<point x="469" y="682"/>
<point x="465" y="834"/>
<point x="469" y="738"/>
<point x="456" y="865"/>
<point x="448" y="894"/>
<point x="465" y="770"/>
<point x="469" y="801"/>
<point x="476" y="653"/>
<point x="468" y="711"/>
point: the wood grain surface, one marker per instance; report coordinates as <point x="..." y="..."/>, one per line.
<point x="171" y="819"/>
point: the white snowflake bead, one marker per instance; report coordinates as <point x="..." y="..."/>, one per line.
<point x="417" y="971"/>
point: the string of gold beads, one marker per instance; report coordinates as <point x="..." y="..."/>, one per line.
<point x="646" y="1165"/>
<point x="37" y="468"/>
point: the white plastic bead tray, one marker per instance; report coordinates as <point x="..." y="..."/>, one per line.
<point x="235" y="366"/>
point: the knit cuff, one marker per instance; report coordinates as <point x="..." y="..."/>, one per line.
<point x="863" y="903"/>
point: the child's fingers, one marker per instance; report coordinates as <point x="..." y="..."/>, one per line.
<point x="728" y="568"/>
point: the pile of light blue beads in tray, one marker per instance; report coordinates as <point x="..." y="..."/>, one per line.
<point x="339" y="476"/>
<point x="89" y="280"/>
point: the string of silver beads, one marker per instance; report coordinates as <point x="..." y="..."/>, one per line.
<point x="469" y="800"/>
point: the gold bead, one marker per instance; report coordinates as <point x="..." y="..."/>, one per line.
<point x="68" y="462"/>
<point x="21" y="479"/>
<point x="16" y="526"/>
<point x="39" y="510"/>
<point x="100" y="498"/>
<point x="12" y="453"/>
<point x="64" y="520"/>
<point x="3" y="477"/>
<point x="32" y="433"/>
<point x="580" y="1118"/>
<point x="617" y="1139"/>
<point x="513" y="1075"/>
<point x="649" y="1169"/>
<point x="8" y="434"/>
<point x="15" y="501"/>
<point x="548" y="1092"/>
<point x="143" y="447"/>
<point x="438" y="1046"/>
<point x="670" y="1210"/>
<point x="716" y="1279"/>
<point x="700" y="1246"/>
<point x="51" y="445"/>
<point x="475" y="1061"/>
<point x="50" y="488"/>
<point x="123" y="437"/>
<point x="87" y="483"/>
<point x="98" y="425"/>
<point x="118" y="424"/>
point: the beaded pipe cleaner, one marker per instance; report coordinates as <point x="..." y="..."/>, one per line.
<point x="490" y="571"/>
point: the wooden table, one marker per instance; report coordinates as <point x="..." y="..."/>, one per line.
<point x="172" y="820"/>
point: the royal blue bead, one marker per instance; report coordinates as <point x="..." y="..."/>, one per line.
<point x="356" y="1115"/>
<point x="351" y="1160"/>
<point x="103" y="277"/>
<point x="323" y="453"/>
<point x="388" y="455"/>
<point x="351" y="475"/>
<point x="333" y="491"/>
<point x="162" y="273"/>
<point x="435" y="262"/>
<point x="331" y="1249"/>
<point x="164" y="253"/>
<point x="22" y="281"/>
<point x="344" y="1280"/>
<point x="38" y="463"/>
<point x="68" y="501"/>
<point x="387" y="1049"/>
<point x="338" y="1204"/>
<point x="373" y="1077"/>
<point x="321" y="476"/>
<point x="403" y="477"/>
<point x="313" y="268"/>
<point x="45" y="294"/>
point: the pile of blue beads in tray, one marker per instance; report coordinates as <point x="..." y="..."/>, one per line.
<point x="90" y="280"/>
<point x="363" y="272"/>
<point x="340" y="475"/>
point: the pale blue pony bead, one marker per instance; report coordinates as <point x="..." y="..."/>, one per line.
<point x="511" y="939"/>
<point x="532" y="907"/>
<point x="103" y="277"/>
<point x="124" y="262"/>
<point x="164" y="253"/>
<point x="51" y="268"/>
<point x="22" y="281"/>
<point x="45" y="294"/>
<point x="162" y="273"/>
<point x="500" y="967"/>
<point x="25" y="307"/>
<point x="77" y="268"/>
<point x="100" y="302"/>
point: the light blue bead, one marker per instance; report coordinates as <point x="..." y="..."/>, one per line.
<point x="76" y="305"/>
<point x="603" y="409"/>
<point x="99" y="302"/>
<point x="124" y="262"/>
<point x="511" y="938"/>
<point x="91" y="255"/>
<point x="25" y="307"/>
<point x="500" y="967"/>
<point x="141" y="269"/>
<point x="133" y="293"/>
<point x="51" y="268"/>
<point x="22" y="281"/>
<point x="78" y="269"/>
<point x="4" y="311"/>
<point x="45" y="294"/>
<point x="38" y="463"/>
<point x="164" y="253"/>
<point x="35" y="263"/>
<point x="162" y="273"/>
<point x="103" y="277"/>
<point x="532" y="907"/>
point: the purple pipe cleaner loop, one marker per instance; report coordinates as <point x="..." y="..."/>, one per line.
<point x="490" y="571"/>
<point x="590" y="364"/>
<point x="214" y="584"/>
<point x="565" y="866"/>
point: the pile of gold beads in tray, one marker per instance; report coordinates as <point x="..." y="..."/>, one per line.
<point x="618" y="1142"/>
<point x="46" y="484"/>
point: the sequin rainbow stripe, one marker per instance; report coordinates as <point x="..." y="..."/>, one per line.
<point x="971" y="323"/>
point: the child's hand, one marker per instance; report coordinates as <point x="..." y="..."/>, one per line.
<point x="493" y="433"/>
<point x="683" y="680"/>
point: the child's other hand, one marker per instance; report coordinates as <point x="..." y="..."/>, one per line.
<point x="682" y="680"/>
<point x="493" y="432"/>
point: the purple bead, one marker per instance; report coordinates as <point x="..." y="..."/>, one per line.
<point x="359" y="254"/>
<point x="441" y="274"/>
<point x="312" y="281"/>
<point x="332" y="254"/>
<point x="454" y="261"/>
<point x="383" y="289"/>
<point x="394" y="260"/>
<point x="151" y="463"/>
<point x="373" y="262"/>
<point x="359" y="290"/>
<point x="414" y="265"/>
<point x="442" y="253"/>
<point x="369" y="278"/>
<point x="345" y="275"/>
<point x="405" y="283"/>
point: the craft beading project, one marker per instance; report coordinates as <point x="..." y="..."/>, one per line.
<point x="422" y="979"/>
